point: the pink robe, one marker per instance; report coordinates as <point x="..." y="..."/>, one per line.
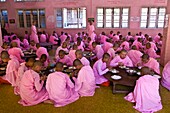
<point x="12" y="71"/>
<point x="40" y="51"/>
<point x="32" y="91"/>
<point x="22" y="68"/>
<point x="115" y="38"/>
<point x="91" y="33"/>
<point x="166" y="76"/>
<point x="111" y="52"/>
<point x="72" y="55"/>
<point x="152" y="53"/>
<point x="34" y="35"/>
<point x="103" y="39"/>
<point x="99" y="51"/>
<point x="53" y="40"/>
<point x="43" y="38"/>
<point x="15" y="51"/>
<point x="153" y="64"/>
<point x="146" y="95"/>
<point x="135" y="56"/>
<point x="61" y="89"/>
<point x="84" y="61"/>
<point x="126" y="61"/>
<point x="157" y="38"/>
<point x="60" y="48"/>
<point x="100" y="69"/>
<point x="125" y="45"/>
<point x="26" y="36"/>
<point x="63" y="38"/>
<point x="33" y="47"/>
<point x="107" y="46"/>
<point x="17" y="41"/>
<point x="137" y="44"/>
<point x="153" y="45"/>
<point x="85" y="82"/>
<point x="25" y="44"/>
<point x="128" y="37"/>
<point x="6" y="38"/>
<point x="66" y="60"/>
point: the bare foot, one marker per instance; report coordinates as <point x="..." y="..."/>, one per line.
<point x="49" y="102"/>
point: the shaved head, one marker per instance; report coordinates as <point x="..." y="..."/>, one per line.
<point x="145" y="70"/>
<point x="4" y="55"/>
<point x="77" y="62"/>
<point x="37" y="63"/>
<point x="59" y="66"/>
<point x="14" y="44"/>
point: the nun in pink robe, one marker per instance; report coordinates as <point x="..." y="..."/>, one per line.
<point x="32" y="91"/>
<point x="22" y="68"/>
<point x="91" y="30"/>
<point x="99" y="51"/>
<point x="166" y="76"/>
<point x="12" y="71"/>
<point x="146" y="95"/>
<point x="72" y="55"/>
<point x="111" y="52"/>
<point x="60" y="48"/>
<point x="40" y="51"/>
<point x="117" y="59"/>
<point x="63" y="38"/>
<point x="137" y="44"/>
<point x="17" y="52"/>
<point x="135" y="56"/>
<point x="85" y="81"/>
<point x="152" y="63"/>
<point x="34" y="35"/>
<point x="84" y="61"/>
<point x="107" y="46"/>
<point x="61" y="89"/>
<point x="53" y="39"/>
<point x="6" y="38"/>
<point x="152" y="53"/>
<point x="125" y="45"/>
<point x="100" y="69"/>
<point x="66" y="60"/>
<point x="43" y="38"/>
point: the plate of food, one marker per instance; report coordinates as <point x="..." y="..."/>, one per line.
<point x="122" y="67"/>
<point x="116" y="77"/>
<point x="72" y="67"/>
<point x="114" y="71"/>
<point x="64" y="66"/>
<point x="2" y="68"/>
<point x="138" y="73"/>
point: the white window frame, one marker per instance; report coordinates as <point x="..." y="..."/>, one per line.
<point x="62" y="14"/>
<point x="112" y="19"/>
<point x="149" y="15"/>
<point x="24" y="16"/>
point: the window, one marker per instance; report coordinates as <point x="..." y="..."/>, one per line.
<point x="71" y="18"/>
<point x="152" y="17"/>
<point x="2" y="0"/>
<point x="26" y="17"/>
<point x="112" y="17"/>
<point x="3" y="17"/>
<point x="27" y="0"/>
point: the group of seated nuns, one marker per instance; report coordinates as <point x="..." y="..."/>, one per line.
<point x="58" y="88"/>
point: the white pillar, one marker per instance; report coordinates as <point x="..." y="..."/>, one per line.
<point x="0" y="36"/>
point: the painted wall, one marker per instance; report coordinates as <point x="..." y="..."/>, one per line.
<point x="91" y="5"/>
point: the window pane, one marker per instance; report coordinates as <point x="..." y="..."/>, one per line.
<point x="42" y="18"/>
<point x="152" y="24"/>
<point x="59" y="18"/>
<point x="82" y="18"/>
<point x="162" y="11"/>
<point x="143" y="24"/>
<point x="160" y="24"/>
<point x="124" y="25"/>
<point x="28" y="18"/>
<point x="116" y="11"/>
<point x="21" y="18"/>
<point x="143" y="18"/>
<point x="144" y="11"/>
<point x="5" y="15"/>
<point x="125" y="11"/>
<point x="99" y="24"/>
<point x="108" y="24"/>
<point x="2" y="0"/>
<point x="152" y="18"/>
<point x="100" y="17"/>
<point x="74" y="17"/>
<point x="125" y="18"/>
<point x="161" y="18"/>
<point x="116" y="24"/>
<point x="153" y="11"/>
<point x="116" y="18"/>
